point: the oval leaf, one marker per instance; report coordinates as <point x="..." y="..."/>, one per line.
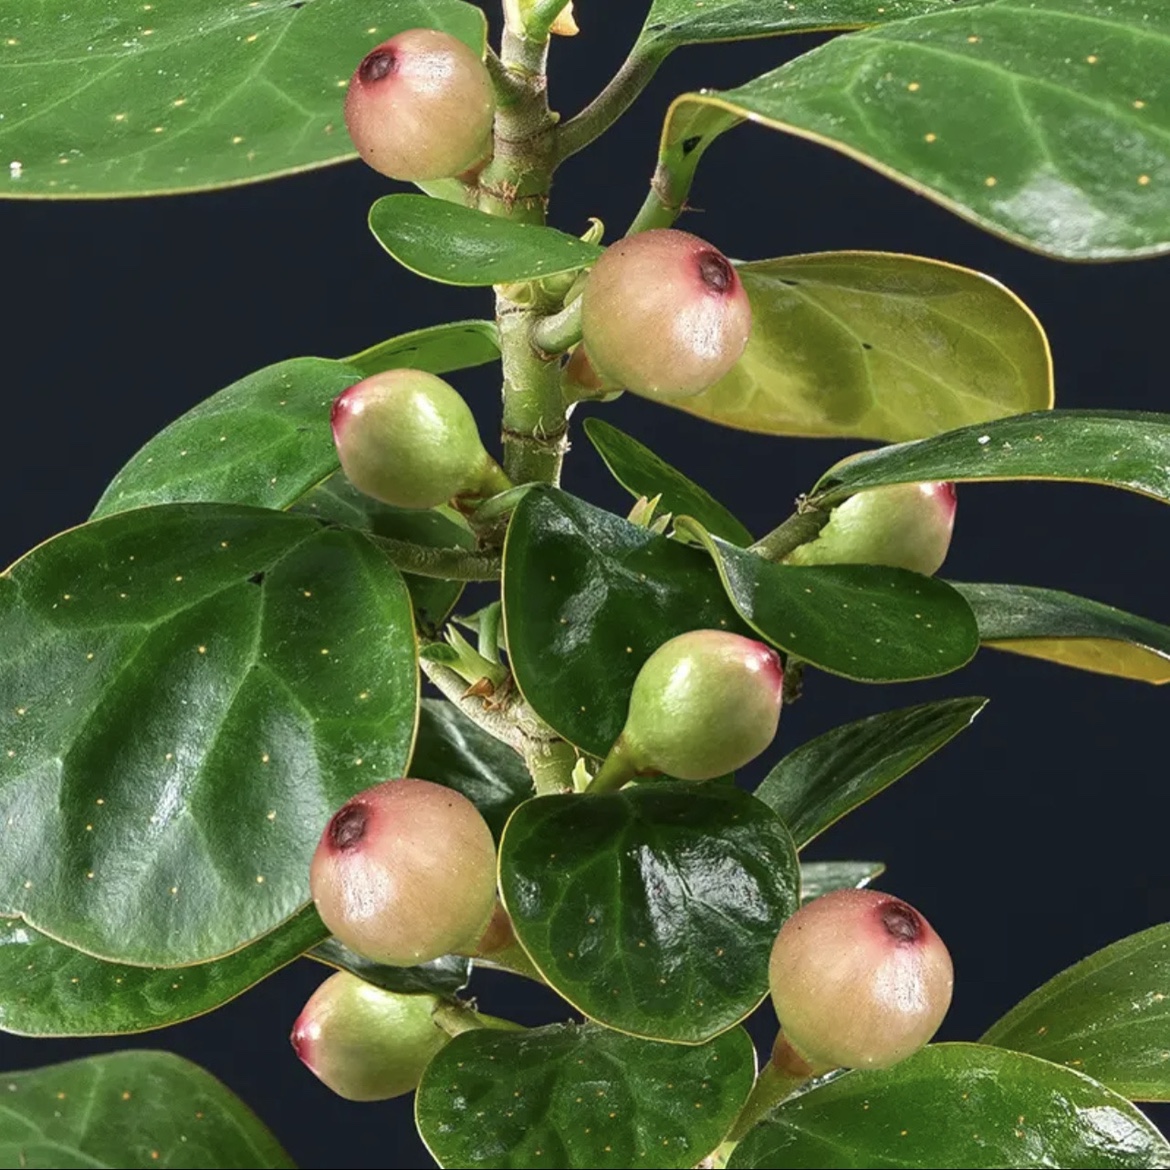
<point x="822" y="877"/>
<point x="438" y="349"/>
<point x="445" y="976"/>
<point x="1071" y="630"/>
<point x="652" y="910"/>
<point x="1107" y="1016"/>
<point x="459" y="245"/>
<point x="198" y="95"/>
<point x="187" y="694"/>
<point x="825" y="779"/>
<point x="131" y="1110"/>
<point x="956" y="1106"/>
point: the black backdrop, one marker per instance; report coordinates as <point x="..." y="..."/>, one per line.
<point x="1036" y="838"/>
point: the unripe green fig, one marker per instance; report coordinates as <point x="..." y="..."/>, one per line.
<point x="407" y="438"/>
<point x="664" y="314"/>
<point x="406" y="872"/>
<point x="859" y="979"/>
<point x="367" y="1044"/>
<point x="904" y="525"/>
<point x="420" y="106"/>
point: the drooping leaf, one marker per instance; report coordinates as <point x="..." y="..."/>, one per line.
<point x="871" y="345"/>
<point x="652" y="910"/>
<point x="187" y="694"/>
<point x="131" y="1110"/>
<point x="824" y="779"/>
<point x="445" y="976"/>
<point x="438" y="349"/>
<point x="579" y="1096"/>
<point x="822" y="877"/>
<point x="1107" y="1016"/>
<point x="127" y="99"/>
<point x="1071" y="630"/>
<point x="459" y="245"/>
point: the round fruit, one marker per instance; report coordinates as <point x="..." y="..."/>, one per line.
<point x="420" y="106"/>
<point x="406" y="872"/>
<point x="664" y="314"/>
<point x="859" y="980"/>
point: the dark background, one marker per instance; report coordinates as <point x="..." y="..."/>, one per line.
<point x="1036" y="838"/>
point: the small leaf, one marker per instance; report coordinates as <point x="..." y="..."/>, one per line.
<point x="132" y="1110"/>
<point x="956" y="1107"/>
<point x="652" y="910"/>
<point x="1107" y="1016"/>
<point x="642" y="473"/>
<point x="1070" y="630"/>
<point x="581" y="1097"/>
<point x="446" y="976"/>
<point x="830" y="776"/>
<point x="459" y="245"/>
<point x="822" y="877"/>
<point x="462" y="345"/>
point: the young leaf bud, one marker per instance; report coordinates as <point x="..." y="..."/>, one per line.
<point x="420" y="106"/>
<point x="407" y="438"/>
<point x="905" y="525"/>
<point x="366" y="1044"/>
<point x="406" y="872"/>
<point x="859" y="980"/>
<point x="664" y="314"/>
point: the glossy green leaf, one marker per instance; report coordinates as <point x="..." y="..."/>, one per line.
<point x="956" y="1107"/>
<point x="865" y="622"/>
<point x="1070" y="630"/>
<point x="652" y="910"/>
<point x="822" y="877"/>
<point x="642" y="473"/>
<point x="1042" y="121"/>
<point x="130" y="1110"/>
<point x="1123" y="449"/>
<point x="871" y="345"/>
<point x="821" y="781"/>
<point x="588" y="597"/>
<point x="437" y="349"/>
<point x="1107" y="1016"/>
<point x="187" y="694"/>
<point x="118" y="98"/>
<point x="459" y="245"/>
<point x="576" y="1096"/>
<point x="445" y="976"/>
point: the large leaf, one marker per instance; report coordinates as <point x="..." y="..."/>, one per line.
<point x="1107" y="1016"/>
<point x="871" y="345"/>
<point x="437" y="349"/>
<point x="1123" y="449"/>
<point x="459" y="245"/>
<point x="588" y="597"/>
<point x="1040" y="122"/>
<point x="581" y="1097"/>
<point x="823" y="780"/>
<point x="865" y="622"/>
<point x="187" y="694"/>
<point x="956" y="1107"/>
<point x="651" y="910"/>
<point x="1071" y="630"/>
<point x="131" y="1110"/>
<point x="822" y="877"/>
<point x="124" y="98"/>
<point x="445" y="976"/>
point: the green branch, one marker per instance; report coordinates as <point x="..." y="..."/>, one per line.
<point x="609" y="105"/>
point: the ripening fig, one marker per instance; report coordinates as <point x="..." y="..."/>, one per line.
<point x="420" y="106"/>
<point x="406" y="872"/>
<point x="407" y="438"/>
<point x="367" y="1044"/>
<point x="664" y="314"/>
<point x="859" y="979"/>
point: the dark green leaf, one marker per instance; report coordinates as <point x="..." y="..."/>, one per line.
<point x="187" y="694"/>
<point x="581" y="1097"/>
<point x="588" y="597"/>
<point x="822" y="877"/>
<point x="1071" y="630"/>
<point x="1040" y="122"/>
<point x="132" y="1111"/>
<point x="445" y="976"/>
<point x="1124" y="449"/>
<point x="956" y="1107"/>
<point x="877" y="346"/>
<point x="1108" y="1016"/>
<point x="830" y="776"/>
<point x="866" y="622"/>
<point x="459" y="245"/>
<point x="651" y="910"/>
<point x="438" y="349"/>
<point x="642" y="473"/>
